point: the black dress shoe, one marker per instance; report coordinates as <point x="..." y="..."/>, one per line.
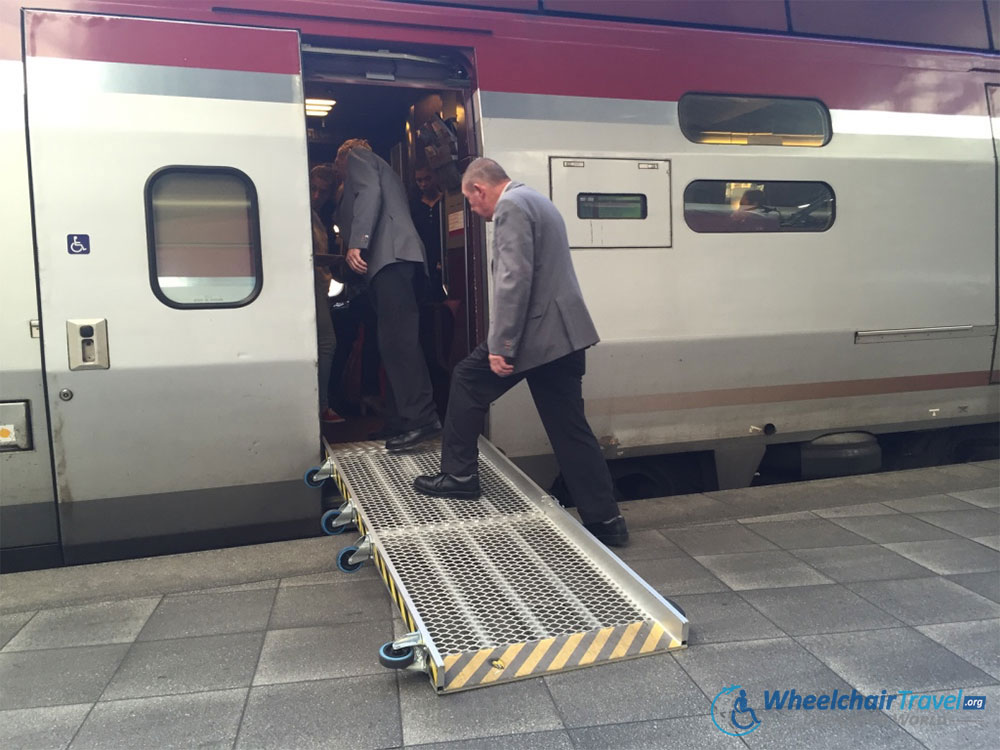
<point x="448" y="485"/>
<point x="409" y="439"/>
<point x="613" y="532"/>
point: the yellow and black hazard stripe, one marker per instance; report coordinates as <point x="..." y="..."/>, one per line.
<point x="394" y="591"/>
<point x="340" y="483"/>
<point x="519" y="660"/>
<point x="397" y="598"/>
<point x="383" y="570"/>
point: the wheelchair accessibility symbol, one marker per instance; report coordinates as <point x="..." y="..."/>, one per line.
<point x="732" y="714"/>
<point x="78" y="244"/>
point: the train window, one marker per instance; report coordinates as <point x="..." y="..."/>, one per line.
<point x="771" y="206"/>
<point x="611" y="206"/>
<point x="203" y="232"/>
<point x="753" y="120"/>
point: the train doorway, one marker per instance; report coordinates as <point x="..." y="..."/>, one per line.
<point x="414" y="109"/>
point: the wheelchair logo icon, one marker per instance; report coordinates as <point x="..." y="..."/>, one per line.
<point x="78" y="244"/>
<point x="732" y="714"/>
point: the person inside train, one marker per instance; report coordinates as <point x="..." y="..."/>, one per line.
<point x="426" y="212"/>
<point x="436" y="322"/>
<point x="384" y="245"/>
<point x="353" y="316"/>
<point x="321" y="185"/>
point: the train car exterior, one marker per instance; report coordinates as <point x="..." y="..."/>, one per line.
<point x="148" y="407"/>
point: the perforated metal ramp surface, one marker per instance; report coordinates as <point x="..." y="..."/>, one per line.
<point x="501" y="588"/>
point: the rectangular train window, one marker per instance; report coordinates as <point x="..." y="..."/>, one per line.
<point x="753" y="120"/>
<point x="203" y="231"/>
<point x="611" y="206"/>
<point x="771" y="206"/>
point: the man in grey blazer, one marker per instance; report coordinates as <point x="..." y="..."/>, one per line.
<point x="539" y="332"/>
<point x="383" y="246"/>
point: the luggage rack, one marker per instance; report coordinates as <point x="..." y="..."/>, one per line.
<point x="492" y="590"/>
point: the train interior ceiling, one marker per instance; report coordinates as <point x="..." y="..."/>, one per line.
<point x="412" y="110"/>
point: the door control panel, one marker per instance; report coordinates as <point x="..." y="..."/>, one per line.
<point x="87" y="342"/>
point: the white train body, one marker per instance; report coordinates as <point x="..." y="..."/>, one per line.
<point x="187" y="423"/>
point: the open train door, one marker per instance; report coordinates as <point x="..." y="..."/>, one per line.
<point x="993" y="98"/>
<point x="172" y="226"/>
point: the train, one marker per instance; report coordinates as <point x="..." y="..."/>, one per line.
<point x="783" y="217"/>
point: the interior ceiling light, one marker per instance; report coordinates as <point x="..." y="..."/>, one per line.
<point x="319" y="107"/>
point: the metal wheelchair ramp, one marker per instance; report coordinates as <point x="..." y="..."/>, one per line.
<point x="493" y="590"/>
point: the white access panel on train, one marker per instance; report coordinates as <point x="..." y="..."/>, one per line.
<point x="609" y="203"/>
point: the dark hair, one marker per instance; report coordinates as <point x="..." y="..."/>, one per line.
<point x="324" y="172"/>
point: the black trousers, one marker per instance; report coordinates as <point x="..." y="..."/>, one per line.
<point x="410" y="398"/>
<point x="347" y="323"/>
<point x="556" y="388"/>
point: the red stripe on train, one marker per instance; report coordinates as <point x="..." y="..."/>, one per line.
<point x="150" y="42"/>
<point x="519" y="53"/>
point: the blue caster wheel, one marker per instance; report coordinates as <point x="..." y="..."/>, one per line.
<point x="326" y="522"/>
<point x="344" y="560"/>
<point x="310" y="478"/>
<point x="395" y="659"/>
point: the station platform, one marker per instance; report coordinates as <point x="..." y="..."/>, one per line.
<point x="879" y="582"/>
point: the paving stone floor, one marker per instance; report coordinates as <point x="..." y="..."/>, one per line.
<point x="888" y="581"/>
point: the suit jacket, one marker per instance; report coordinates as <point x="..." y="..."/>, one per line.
<point x="374" y="214"/>
<point x="538" y="310"/>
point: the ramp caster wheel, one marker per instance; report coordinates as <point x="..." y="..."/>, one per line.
<point x="344" y="560"/>
<point x="395" y="658"/>
<point x="310" y="478"/>
<point x="326" y="522"/>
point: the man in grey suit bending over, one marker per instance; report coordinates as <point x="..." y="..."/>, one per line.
<point x="383" y="246"/>
<point x="540" y="328"/>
